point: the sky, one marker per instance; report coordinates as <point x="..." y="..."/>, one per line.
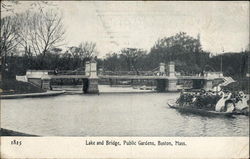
<point x="116" y="25"/>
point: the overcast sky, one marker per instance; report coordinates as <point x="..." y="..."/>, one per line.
<point x="115" y="25"/>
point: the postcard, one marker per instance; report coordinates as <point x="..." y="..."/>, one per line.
<point x="124" y="79"/>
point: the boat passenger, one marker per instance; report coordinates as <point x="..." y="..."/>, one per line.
<point x="225" y="104"/>
<point x="217" y="88"/>
<point x="242" y="101"/>
<point x="230" y="107"/>
<point x="229" y="104"/>
<point x="194" y="99"/>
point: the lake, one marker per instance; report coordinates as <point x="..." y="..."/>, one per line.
<point x="113" y="113"/>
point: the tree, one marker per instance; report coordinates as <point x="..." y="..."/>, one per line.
<point x="35" y="30"/>
<point x="112" y="62"/>
<point x="46" y="31"/>
<point x="9" y="35"/>
<point x="87" y="50"/>
<point x="132" y="55"/>
<point x="9" y="39"/>
<point x="177" y="45"/>
<point x="182" y="48"/>
<point x="23" y="13"/>
<point x="79" y="55"/>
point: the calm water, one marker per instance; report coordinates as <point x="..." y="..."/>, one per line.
<point x="112" y="114"/>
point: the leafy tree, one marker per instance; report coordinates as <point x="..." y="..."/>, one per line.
<point x="181" y="48"/>
<point x="132" y="56"/>
<point x="112" y="62"/>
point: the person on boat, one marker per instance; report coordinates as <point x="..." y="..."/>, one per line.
<point x="229" y="104"/>
<point x="194" y="98"/>
<point x="217" y="88"/>
<point x="241" y="103"/>
<point x="185" y="99"/>
<point x="225" y="103"/>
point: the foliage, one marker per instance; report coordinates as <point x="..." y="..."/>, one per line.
<point x="38" y="33"/>
<point x="132" y="56"/>
<point x="242" y="84"/>
<point x="185" y="50"/>
<point x="233" y="64"/>
<point x="181" y="48"/>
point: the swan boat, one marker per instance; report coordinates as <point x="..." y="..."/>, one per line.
<point x="203" y="112"/>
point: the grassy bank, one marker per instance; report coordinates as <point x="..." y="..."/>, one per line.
<point x="6" y="132"/>
<point x="12" y="86"/>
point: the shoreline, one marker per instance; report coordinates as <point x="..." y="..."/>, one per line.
<point x="7" y="132"/>
<point x="27" y="95"/>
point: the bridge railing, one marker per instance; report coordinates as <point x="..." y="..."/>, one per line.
<point x="132" y="73"/>
<point x="66" y="72"/>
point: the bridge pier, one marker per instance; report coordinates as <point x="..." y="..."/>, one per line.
<point x="172" y="81"/>
<point x="208" y="84"/>
<point x="162" y="71"/>
<point x="169" y="85"/>
<point x="90" y="85"/>
<point x="40" y="78"/>
<point x="166" y="85"/>
<point x="46" y="83"/>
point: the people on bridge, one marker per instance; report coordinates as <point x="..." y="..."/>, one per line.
<point x="56" y="71"/>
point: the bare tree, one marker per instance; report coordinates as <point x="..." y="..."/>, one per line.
<point x="74" y="51"/>
<point x="24" y="14"/>
<point x="9" y="34"/>
<point x="9" y="38"/>
<point x="87" y="50"/>
<point x="25" y="32"/>
<point x="46" y="31"/>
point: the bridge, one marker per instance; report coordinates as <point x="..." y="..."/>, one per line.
<point x="165" y="80"/>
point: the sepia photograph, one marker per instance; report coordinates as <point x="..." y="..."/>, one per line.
<point x="124" y="69"/>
